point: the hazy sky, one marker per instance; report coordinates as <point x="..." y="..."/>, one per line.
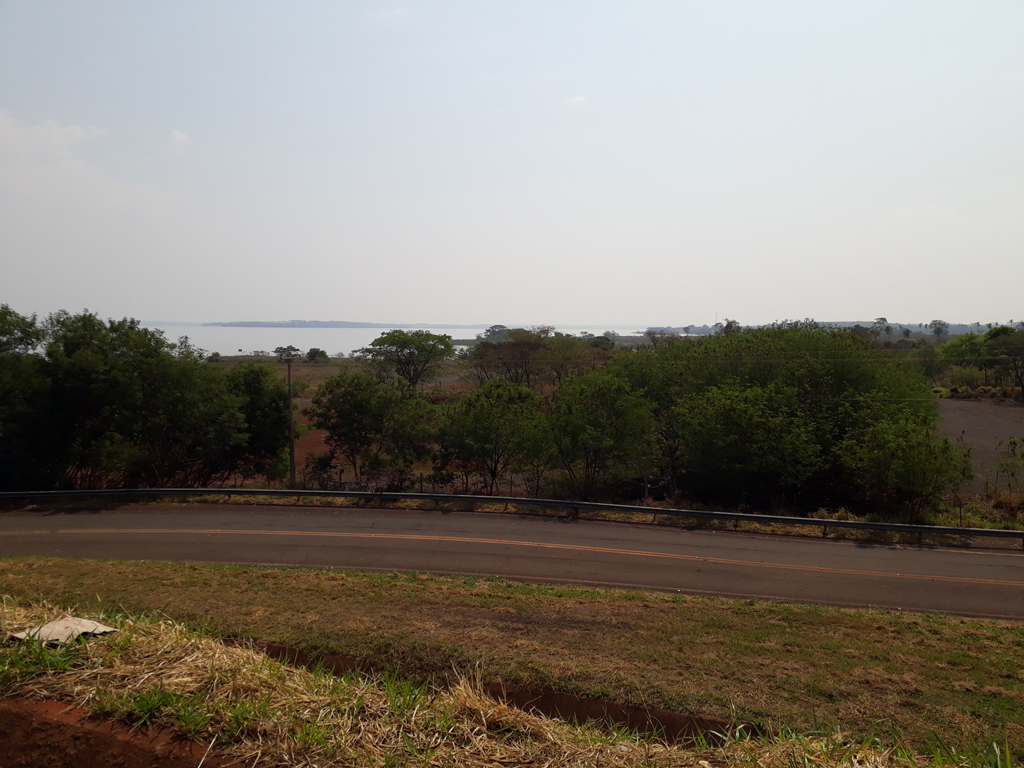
<point x="641" y="163"/>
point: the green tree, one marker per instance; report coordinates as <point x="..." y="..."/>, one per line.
<point x="126" y="408"/>
<point x="599" y="427"/>
<point x="377" y="428"/>
<point x="732" y="396"/>
<point x="191" y="429"/>
<point x="728" y="328"/>
<point x="994" y="333"/>
<point x="316" y="355"/>
<point x="88" y="403"/>
<point x="656" y="336"/>
<point x="494" y="333"/>
<point x="564" y="356"/>
<point x="903" y="465"/>
<point x="517" y="357"/>
<point x="939" y="329"/>
<point x="18" y="334"/>
<point x="967" y="349"/>
<point x="600" y="343"/>
<point x="931" y="362"/>
<point x="263" y="402"/>
<point x="23" y="389"/>
<point x="536" y="456"/>
<point x="484" y="365"/>
<point x="736" y="441"/>
<point x="970" y="353"/>
<point x="1008" y="349"/>
<point x="484" y="433"/>
<point x="411" y="355"/>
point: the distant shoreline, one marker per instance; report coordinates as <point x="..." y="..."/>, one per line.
<point x="331" y="324"/>
<point x="954" y="329"/>
<point x="356" y="324"/>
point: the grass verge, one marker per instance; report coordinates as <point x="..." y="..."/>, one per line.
<point x="902" y="678"/>
<point x="263" y="713"/>
<point x="158" y="672"/>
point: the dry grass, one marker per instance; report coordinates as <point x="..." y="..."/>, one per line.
<point x="263" y="713"/>
<point x="877" y="673"/>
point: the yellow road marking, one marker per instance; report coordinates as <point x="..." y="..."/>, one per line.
<point x="539" y="545"/>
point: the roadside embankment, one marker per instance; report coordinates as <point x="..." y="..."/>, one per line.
<point x="875" y="673"/>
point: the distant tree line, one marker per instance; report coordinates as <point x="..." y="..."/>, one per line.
<point x="796" y="415"/>
<point x="992" y="359"/>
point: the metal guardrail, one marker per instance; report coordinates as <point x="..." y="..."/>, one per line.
<point x="695" y="514"/>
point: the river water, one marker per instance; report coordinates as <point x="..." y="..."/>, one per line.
<point x="245" y="340"/>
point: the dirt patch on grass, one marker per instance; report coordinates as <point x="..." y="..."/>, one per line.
<point x="43" y="734"/>
<point x="730" y="659"/>
<point x="311" y="442"/>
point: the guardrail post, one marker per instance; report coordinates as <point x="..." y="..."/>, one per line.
<point x="824" y="530"/>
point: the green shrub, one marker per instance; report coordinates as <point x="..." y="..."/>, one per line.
<point x="777" y="412"/>
<point x="904" y="466"/>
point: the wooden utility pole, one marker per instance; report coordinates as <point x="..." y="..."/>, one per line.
<point x="291" y="421"/>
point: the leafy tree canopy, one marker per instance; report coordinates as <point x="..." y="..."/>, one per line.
<point x="1009" y="351"/>
<point x="99" y="404"/>
<point x="375" y="427"/>
<point x="485" y="432"/>
<point x="18" y="334"/>
<point x="317" y="355"/>
<point x="999" y="330"/>
<point x="599" y="425"/>
<point x="768" y="412"/>
<point x="411" y="355"/>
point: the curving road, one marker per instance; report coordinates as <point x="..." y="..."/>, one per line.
<point x="968" y="582"/>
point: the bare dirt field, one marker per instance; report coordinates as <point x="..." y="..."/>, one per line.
<point x="983" y="427"/>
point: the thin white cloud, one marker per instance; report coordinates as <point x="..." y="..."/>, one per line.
<point x="180" y="138"/>
<point x="576" y="101"/>
<point x="45" y="141"/>
<point x="385" y="16"/>
<point x="62" y="214"/>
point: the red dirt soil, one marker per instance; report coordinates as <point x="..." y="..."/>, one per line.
<point x="47" y="734"/>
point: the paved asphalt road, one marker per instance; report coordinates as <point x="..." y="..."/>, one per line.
<point x="808" y="570"/>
